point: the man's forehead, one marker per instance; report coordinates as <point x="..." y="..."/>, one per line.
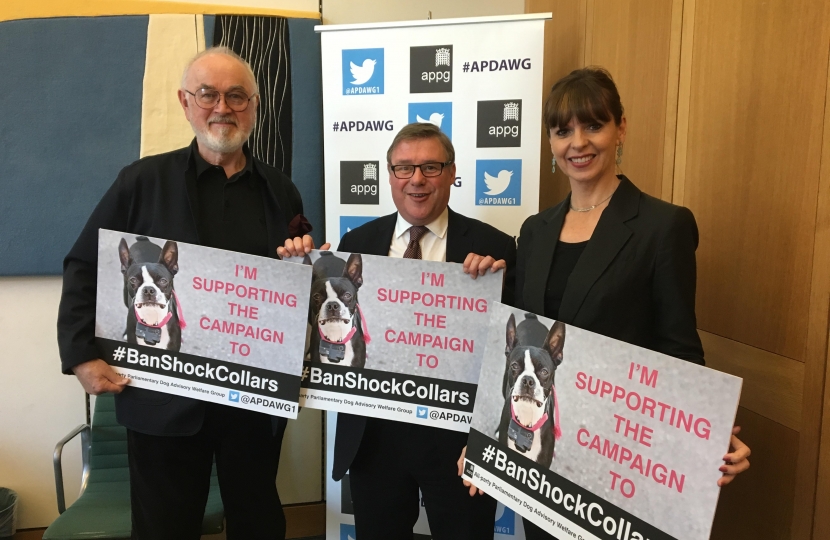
<point x="412" y="150"/>
<point x="221" y="72"/>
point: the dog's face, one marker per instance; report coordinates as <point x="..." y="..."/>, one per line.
<point x="334" y="300"/>
<point x="531" y="372"/>
<point x="149" y="285"/>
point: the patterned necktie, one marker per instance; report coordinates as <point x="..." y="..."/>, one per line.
<point x="413" y="250"/>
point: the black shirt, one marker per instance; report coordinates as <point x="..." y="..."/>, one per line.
<point x="565" y="258"/>
<point x="231" y="211"/>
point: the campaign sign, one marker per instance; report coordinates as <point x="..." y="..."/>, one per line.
<point x="204" y="323"/>
<point x="589" y="437"/>
<point x="393" y="338"/>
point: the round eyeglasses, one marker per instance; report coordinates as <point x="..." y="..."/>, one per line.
<point x="207" y="98"/>
<point x="429" y="170"/>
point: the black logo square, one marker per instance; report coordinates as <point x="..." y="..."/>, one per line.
<point x="359" y="182"/>
<point x="430" y="69"/>
<point x="346" y="506"/>
<point x="469" y="468"/>
<point x="499" y="123"/>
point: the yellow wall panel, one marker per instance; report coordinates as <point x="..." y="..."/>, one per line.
<point x="28" y="9"/>
<point x="171" y="41"/>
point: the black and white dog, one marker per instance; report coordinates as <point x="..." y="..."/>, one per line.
<point x="153" y="311"/>
<point x="338" y="327"/>
<point x="530" y="417"/>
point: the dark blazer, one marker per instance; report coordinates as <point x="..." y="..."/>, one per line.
<point x="634" y="282"/>
<point x="155" y="196"/>
<point x="464" y="236"/>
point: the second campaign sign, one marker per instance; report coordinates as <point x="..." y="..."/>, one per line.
<point x="203" y="323"/>
<point x="400" y="339"/>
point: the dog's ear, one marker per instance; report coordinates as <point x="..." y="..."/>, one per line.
<point x="124" y="255"/>
<point x="170" y="256"/>
<point x="512" y="339"/>
<point x="354" y="269"/>
<point x="555" y="342"/>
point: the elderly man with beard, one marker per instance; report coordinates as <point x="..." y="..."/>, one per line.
<point x="213" y="193"/>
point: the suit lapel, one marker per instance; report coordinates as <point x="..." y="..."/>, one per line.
<point x="609" y="237"/>
<point x="380" y="242"/>
<point x="542" y="250"/>
<point x="459" y="243"/>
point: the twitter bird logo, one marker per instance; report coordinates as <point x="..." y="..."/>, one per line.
<point x="435" y="118"/>
<point x="497" y="184"/>
<point x="363" y="73"/>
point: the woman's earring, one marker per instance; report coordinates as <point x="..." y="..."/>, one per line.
<point x="553" y="164"/>
<point x="619" y="153"/>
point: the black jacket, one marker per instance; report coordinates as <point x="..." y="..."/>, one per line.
<point x="155" y="196"/>
<point x="634" y="282"/>
<point x="464" y="236"/>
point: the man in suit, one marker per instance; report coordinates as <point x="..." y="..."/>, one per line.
<point x="213" y="193"/>
<point x="389" y="461"/>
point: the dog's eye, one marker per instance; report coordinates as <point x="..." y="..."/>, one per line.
<point x="347" y="296"/>
<point x="133" y="281"/>
<point x="163" y="282"/>
<point x="544" y="373"/>
<point x="316" y="297"/>
<point x="514" y="366"/>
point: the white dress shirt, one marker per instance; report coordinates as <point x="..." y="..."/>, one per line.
<point x="433" y="243"/>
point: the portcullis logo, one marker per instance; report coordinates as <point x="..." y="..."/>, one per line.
<point x="499" y="123"/>
<point x="498" y="182"/>
<point x="359" y="182"/>
<point x="362" y="71"/>
<point x="439" y="114"/>
<point x="430" y="69"/>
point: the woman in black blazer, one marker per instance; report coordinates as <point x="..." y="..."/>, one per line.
<point x="610" y="258"/>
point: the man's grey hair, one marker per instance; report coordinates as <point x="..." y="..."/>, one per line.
<point x="420" y="130"/>
<point x="220" y="49"/>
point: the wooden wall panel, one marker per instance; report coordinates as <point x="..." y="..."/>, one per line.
<point x="773" y="385"/>
<point x="564" y="52"/>
<point x="815" y="383"/>
<point x="631" y="39"/>
<point x="754" y="140"/>
<point x="758" y="504"/>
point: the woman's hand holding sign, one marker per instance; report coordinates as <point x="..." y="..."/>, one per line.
<point x="467" y="483"/>
<point x="736" y="461"/>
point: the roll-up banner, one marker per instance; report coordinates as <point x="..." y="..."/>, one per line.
<point x="480" y="81"/>
<point x="203" y="323"/>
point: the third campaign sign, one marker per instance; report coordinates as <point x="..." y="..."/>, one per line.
<point x="396" y="338"/>
<point x="589" y="437"/>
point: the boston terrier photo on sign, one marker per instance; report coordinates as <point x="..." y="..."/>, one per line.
<point x="530" y="417"/>
<point x="154" y="316"/>
<point x="338" y="326"/>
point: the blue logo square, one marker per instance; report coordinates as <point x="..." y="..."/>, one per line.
<point x="362" y="71"/>
<point x="498" y="182"/>
<point x="438" y="113"/>
<point x="347" y="223"/>
<point x="421" y="412"/>
<point x="347" y="532"/>
<point x="505" y="521"/>
<point x="233" y="395"/>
